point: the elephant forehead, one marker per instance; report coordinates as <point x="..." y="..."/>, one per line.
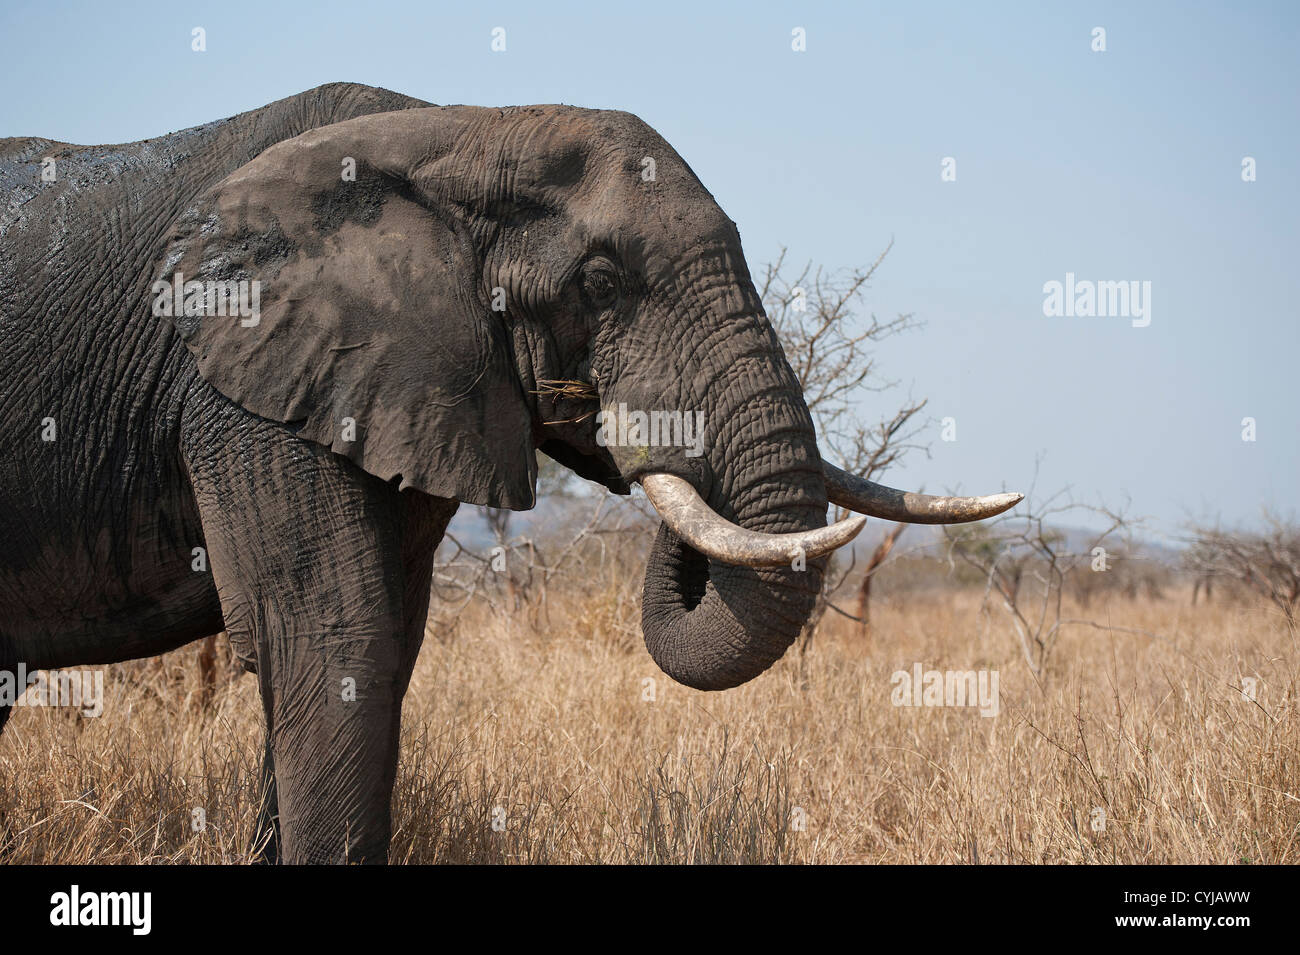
<point x="603" y="158"/>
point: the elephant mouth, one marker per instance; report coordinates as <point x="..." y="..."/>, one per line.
<point x="594" y="467"/>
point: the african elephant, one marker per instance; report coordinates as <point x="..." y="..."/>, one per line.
<point x="249" y="370"/>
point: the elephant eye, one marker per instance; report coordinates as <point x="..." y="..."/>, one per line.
<point x="600" y="285"/>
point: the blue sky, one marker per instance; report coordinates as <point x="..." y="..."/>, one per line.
<point x="1122" y="165"/>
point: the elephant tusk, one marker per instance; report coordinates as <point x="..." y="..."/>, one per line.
<point x="876" y="500"/>
<point x="691" y="519"/>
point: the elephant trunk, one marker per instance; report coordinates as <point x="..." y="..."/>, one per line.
<point x="709" y="623"/>
<point x="713" y="626"/>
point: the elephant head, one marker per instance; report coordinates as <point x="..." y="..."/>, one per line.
<point x="444" y="290"/>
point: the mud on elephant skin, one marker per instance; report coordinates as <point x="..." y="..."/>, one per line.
<point x="299" y="337"/>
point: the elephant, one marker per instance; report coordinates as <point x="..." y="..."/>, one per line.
<point x="249" y="371"/>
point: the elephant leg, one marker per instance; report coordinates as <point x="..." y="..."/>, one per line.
<point x="268" y="814"/>
<point x="310" y="556"/>
<point x="426" y="522"/>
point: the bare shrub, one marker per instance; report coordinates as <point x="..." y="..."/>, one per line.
<point x="1028" y="562"/>
<point x="817" y="317"/>
<point x="594" y="542"/>
<point x="1265" y="562"/>
<point x="874" y="563"/>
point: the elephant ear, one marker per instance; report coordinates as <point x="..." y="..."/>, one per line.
<point x="363" y="324"/>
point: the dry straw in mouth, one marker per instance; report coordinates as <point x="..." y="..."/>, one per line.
<point x="566" y="388"/>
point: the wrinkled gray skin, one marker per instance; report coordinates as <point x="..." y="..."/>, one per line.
<point x="376" y="306"/>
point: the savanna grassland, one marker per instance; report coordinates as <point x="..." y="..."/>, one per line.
<point x="1135" y="747"/>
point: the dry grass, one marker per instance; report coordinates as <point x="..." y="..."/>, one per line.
<point x="547" y="729"/>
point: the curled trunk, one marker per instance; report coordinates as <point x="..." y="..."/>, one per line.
<point x="713" y="626"/>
